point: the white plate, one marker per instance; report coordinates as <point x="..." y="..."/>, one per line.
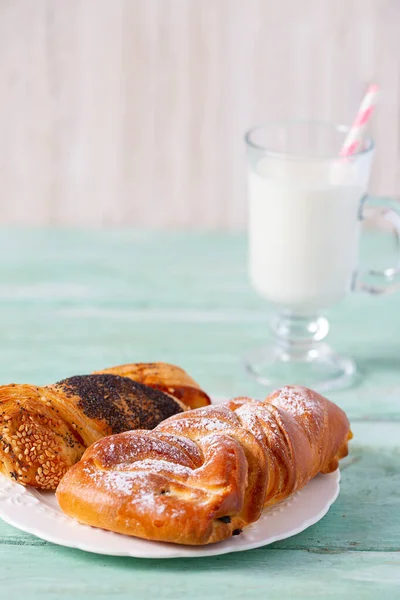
<point x="38" y="513"/>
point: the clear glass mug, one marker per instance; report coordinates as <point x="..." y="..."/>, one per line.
<point x="306" y="205"/>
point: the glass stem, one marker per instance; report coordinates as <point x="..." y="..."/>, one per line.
<point x="299" y="332"/>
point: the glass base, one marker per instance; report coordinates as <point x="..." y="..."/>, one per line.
<point x="299" y="357"/>
<point x="320" y="369"/>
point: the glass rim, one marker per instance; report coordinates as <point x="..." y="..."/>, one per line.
<point x="287" y="156"/>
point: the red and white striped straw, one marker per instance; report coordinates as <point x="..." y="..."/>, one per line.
<point x="356" y="133"/>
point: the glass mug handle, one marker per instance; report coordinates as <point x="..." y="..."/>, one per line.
<point x="390" y="212"/>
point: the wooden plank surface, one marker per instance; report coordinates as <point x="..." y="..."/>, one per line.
<point x="133" y="111"/>
<point x="62" y="573"/>
<point x="114" y="297"/>
<point x="74" y="301"/>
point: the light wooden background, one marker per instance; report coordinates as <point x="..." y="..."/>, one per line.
<point x="117" y="112"/>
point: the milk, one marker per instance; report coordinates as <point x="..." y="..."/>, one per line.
<point x="303" y="231"/>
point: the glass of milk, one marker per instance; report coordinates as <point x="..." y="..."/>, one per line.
<point x="305" y="207"/>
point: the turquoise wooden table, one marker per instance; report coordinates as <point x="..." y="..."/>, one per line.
<point x="72" y="302"/>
